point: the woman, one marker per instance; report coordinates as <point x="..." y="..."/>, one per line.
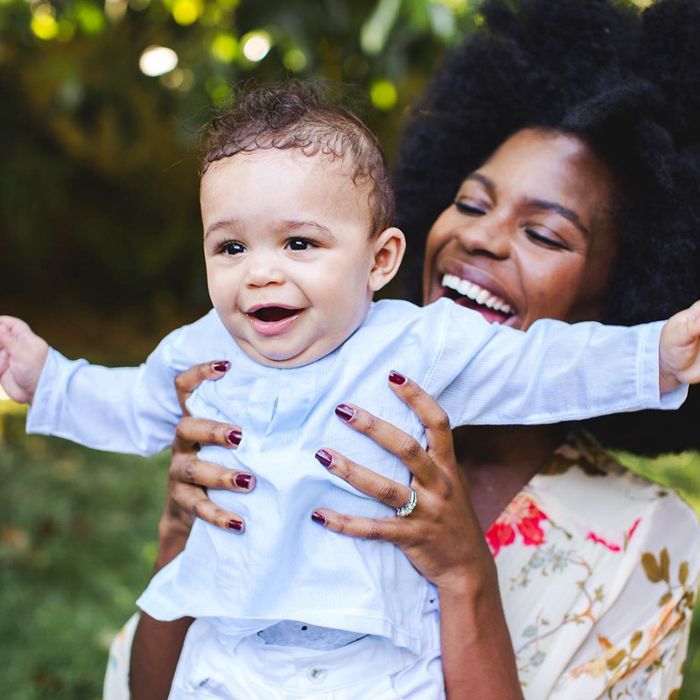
<point x="572" y="122"/>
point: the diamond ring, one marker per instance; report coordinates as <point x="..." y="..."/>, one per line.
<point x="408" y="507"/>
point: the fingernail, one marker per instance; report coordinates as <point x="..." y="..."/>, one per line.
<point x="236" y="525"/>
<point x="221" y="366"/>
<point x="319" y="518"/>
<point x="396" y="378"/>
<point x="234" y="437"/>
<point x="326" y="458"/>
<point x="243" y="481"/>
<point x="344" y="412"/>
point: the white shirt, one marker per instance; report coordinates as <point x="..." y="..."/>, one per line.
<point x="285" y="566"/>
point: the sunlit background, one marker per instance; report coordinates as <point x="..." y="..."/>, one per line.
<point x="100" y="106"/>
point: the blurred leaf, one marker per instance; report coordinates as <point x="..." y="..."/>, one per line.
<point x="375" y="31"/>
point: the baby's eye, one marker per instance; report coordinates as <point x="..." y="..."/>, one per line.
<point x="299" y="244"/>
<point x="232" y="248"/>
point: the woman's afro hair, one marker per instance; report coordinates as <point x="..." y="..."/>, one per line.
<point x="628" y="84"/>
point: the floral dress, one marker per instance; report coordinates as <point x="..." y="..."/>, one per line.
<point x="598" y="570"/>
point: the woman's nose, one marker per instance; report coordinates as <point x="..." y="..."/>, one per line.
<point x="486" y="235"/>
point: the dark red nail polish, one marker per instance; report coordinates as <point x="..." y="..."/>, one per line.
<point x="396" y="378"/>
<point x="221" y="366"/>
<point x="236" y="525"/>
<point x="326" y="458"/>
<point x="243" y="481"/>
<point x="344" y="412"/>
<point x="234" y="437"/>
<point x="319" y="518"/>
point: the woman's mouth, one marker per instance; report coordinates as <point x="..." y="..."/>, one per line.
<point x="469" y="294"/>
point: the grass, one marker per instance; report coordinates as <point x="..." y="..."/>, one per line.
<point x="77" y="543"/>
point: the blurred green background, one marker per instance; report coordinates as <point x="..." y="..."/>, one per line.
<point x="100" y="105"/>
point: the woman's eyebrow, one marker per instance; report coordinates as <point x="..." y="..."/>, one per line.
<point x="488" y="184"/>
<point x="560" y="209"/>
<point x="567" y="213"/>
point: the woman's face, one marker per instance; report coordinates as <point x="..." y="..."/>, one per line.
<point x="529" y="235"/>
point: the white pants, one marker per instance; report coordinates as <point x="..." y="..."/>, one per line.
<point x="214" y="665"/>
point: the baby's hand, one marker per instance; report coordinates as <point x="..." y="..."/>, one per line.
<point x="679" y="349"/>
<point x="22" y="357"/>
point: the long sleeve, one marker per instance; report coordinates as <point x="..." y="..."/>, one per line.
<point x="122" y="409"/>
<point x="128" y="409"/>
<point x="554" y="372"/>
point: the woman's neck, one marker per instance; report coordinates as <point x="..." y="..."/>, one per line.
<point x="500" y="460"/>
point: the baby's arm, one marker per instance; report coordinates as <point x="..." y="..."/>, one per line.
<point x="552" y="373"/>
<point x="22" y="357"/>
<point x="128" y="409"/>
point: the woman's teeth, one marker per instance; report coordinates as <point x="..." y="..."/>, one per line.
<point x="476" y="293"/>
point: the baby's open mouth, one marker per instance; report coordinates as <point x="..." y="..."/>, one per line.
<point x="271" y="314"/>
<point x="470" y="294"/>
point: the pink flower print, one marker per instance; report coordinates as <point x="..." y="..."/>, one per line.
<point x="521" y="515"/>
<point x="613" y="546"/>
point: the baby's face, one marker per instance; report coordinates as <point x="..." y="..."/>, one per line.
<point x="288" y="252"/>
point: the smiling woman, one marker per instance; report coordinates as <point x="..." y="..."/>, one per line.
<point x="530" y="234"/>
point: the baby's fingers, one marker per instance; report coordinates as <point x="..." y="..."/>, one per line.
<point x="188" y="380"/>
<point x="4" y="361"/>
<point x="680" y="347"/>
<point x="386" y="530"/>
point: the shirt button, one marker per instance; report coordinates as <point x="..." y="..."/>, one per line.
<point x="317" y="675"/>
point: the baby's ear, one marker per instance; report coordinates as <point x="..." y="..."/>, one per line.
<point x="388" y="248"/>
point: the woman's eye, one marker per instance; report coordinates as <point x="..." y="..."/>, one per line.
<point x="545" y="240"/>
<point x="468" y="208"/>
<point x="299" y="244"/>
<point x="232" y="248"/>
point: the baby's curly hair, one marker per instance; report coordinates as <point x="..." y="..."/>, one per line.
<point x="628" y="84"/>
<point x="301" y="115"/>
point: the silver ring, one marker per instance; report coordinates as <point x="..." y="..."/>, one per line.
<point x="408" y="507"/>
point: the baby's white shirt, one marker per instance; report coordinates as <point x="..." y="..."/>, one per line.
<point x="285" y="567"/>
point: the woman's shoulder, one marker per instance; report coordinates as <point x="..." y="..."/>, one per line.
<point x="589" y="484"/>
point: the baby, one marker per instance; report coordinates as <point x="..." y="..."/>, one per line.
<point x="297" y="213"/>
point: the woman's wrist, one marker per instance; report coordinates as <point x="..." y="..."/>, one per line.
<point x="477" y="653"/>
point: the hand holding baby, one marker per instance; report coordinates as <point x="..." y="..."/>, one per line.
<point x="22" y="357"/>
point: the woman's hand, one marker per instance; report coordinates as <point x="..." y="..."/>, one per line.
<point x="189" y="477"/>
<point x="157" y="645"/>
<point x="442" y="536"/>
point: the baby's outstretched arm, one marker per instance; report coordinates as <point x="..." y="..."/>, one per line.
<point x="679" y="349"/>
<point x="22" y="357"/>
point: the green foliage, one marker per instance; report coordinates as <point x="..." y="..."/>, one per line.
<point x="77" y="543"/>
<point x="98" y="190"/>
